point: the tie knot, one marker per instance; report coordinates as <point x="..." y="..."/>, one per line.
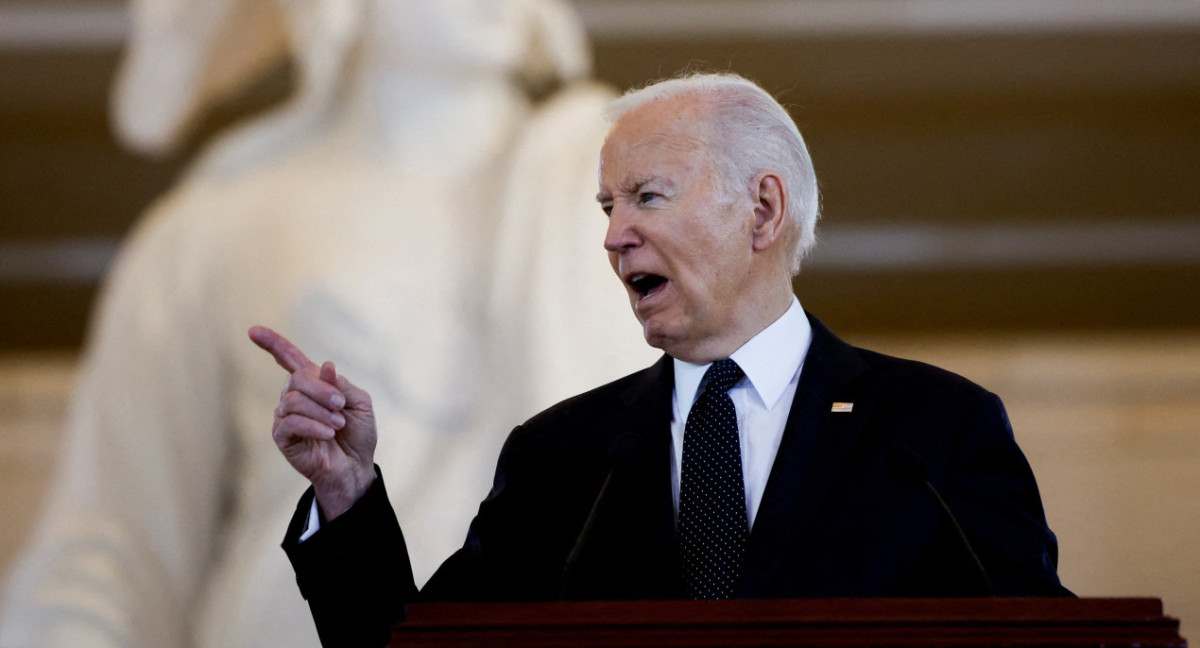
<point x="723" y="374"/>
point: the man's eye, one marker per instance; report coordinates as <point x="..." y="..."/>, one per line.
<point x="647" y="196"/>
<point x="607" y="207"/>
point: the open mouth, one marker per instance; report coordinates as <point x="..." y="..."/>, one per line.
<point x="647" y="284"/>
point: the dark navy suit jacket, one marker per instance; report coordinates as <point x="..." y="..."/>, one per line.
<point x="840" y="517"/>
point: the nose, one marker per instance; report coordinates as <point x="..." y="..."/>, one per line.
<point x="621" y="235"/>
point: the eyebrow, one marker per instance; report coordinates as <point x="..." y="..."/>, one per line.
<point x="633" y="186"/>
<point x="637" y="183"/>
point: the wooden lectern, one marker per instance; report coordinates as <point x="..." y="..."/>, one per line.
<point x="1042" y="622"/>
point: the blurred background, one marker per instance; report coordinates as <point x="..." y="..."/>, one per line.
<point x="1011" y="190"/>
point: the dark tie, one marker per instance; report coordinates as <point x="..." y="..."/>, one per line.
<point x="712" y="501"/>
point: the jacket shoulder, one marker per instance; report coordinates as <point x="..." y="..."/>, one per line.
<point x="600" y="403"/>
<point x="916" y="376"/>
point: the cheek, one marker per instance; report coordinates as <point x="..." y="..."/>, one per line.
<point x="710" y="277"/>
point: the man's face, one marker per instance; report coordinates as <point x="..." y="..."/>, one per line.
<point x="680" y="246"/>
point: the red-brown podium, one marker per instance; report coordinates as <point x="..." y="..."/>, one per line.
<point x="1042" y="622"/>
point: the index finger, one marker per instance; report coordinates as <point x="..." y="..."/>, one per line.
<point x="286" y="354"/>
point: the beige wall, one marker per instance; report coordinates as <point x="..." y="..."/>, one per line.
<point x="1110" y="423"/>
<point x="34" y="388"/>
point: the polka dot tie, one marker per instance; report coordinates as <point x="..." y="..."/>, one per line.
<point x="712" y="501"/>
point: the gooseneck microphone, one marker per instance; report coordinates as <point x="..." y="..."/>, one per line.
<point x="908" y="465"/>
<point x="623" y="449"/>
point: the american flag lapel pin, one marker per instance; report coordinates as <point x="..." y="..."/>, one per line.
<point x="843" y="407"/>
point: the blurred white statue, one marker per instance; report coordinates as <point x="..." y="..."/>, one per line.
<point x="441" y="218"/>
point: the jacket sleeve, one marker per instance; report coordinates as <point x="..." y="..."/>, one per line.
<point x="354" y="572"/>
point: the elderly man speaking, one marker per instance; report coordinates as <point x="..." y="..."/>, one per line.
<point x="761" y="456"/>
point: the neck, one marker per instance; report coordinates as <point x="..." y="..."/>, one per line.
<point x="766" y="309"/>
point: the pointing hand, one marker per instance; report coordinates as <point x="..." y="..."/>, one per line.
<point x="324" y="425"/>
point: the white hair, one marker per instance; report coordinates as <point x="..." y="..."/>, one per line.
<point x="751" y="133"/>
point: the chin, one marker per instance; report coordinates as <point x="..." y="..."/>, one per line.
<point x="659" y="337"/>
<point x="654" y="335"/>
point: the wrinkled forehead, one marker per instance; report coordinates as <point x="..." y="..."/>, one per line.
<point x="669" y="128"/>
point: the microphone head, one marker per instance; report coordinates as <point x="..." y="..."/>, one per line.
<point x="907" y="464"/>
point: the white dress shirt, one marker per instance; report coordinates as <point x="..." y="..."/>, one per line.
<point x="771" y="361"/>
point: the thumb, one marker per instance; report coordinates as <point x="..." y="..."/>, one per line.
<point x="328" y="373"/>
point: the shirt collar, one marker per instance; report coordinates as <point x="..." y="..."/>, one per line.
<point x="770" y="359"/>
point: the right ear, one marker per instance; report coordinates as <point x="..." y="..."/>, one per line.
<point x="770" y="210"/>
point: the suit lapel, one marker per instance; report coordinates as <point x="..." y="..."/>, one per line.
<point x="645" y="417"/>
<point x="815" y="446"/>
<point x="642" y="508"/>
